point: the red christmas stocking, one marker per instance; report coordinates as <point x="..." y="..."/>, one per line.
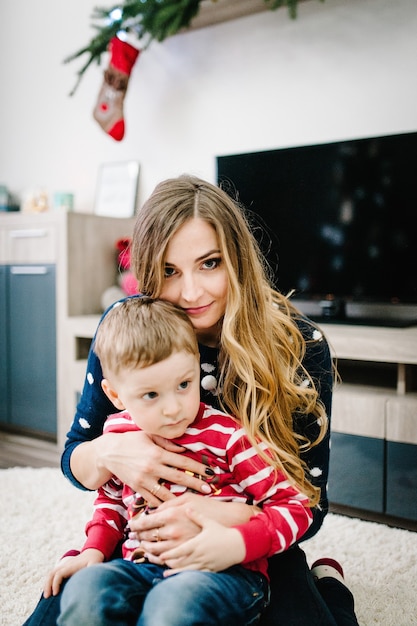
<point x="108" y="111"/>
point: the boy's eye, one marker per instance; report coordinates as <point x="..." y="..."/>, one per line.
<point x="184" y="384"/>
<point x="150" y="395"/>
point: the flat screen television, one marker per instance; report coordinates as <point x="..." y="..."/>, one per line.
<point x="337" y="223"/>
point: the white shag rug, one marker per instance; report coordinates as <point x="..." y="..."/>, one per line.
<point x="42" y="515"/>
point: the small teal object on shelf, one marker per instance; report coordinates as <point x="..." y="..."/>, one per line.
<point x="6" y="201"/>
<point x="64" y="201"/>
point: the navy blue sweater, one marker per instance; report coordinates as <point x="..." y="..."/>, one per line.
<point x="94" y="407"/>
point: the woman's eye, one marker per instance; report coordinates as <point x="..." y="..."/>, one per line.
<point x="169" y="271"/>
<point x="211" y="264"/>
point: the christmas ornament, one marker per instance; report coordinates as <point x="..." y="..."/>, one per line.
<point x="108" y="111"/>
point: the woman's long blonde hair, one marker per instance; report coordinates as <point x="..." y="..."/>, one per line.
<point x="262" y="379"/>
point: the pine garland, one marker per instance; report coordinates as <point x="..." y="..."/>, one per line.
<point x="148" y="20"/>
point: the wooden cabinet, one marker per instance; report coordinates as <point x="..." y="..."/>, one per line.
<point x="52" y="266"/>
<point x="374" y="419"/>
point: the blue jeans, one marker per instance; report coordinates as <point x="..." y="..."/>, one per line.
<point x="296" y="599"/>
<point x="122" y="593"/>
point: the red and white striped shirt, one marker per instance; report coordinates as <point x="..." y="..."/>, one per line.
<point x="241" y="475"/>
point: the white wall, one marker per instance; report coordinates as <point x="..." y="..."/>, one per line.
<point x="343" y="69"/>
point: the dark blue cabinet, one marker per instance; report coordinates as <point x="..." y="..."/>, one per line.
<point x="356" y="477"/>
<point x="402" y="480"/>
<point x="28" y="342"/>
<point x="401" y="459"/>
<point x="4" y="370"/>
<point x="376" y="474"/>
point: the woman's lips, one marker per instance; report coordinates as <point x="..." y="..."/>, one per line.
<point x="197" y="310"/>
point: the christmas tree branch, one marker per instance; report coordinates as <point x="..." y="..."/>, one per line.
<point x="148" y="20"/>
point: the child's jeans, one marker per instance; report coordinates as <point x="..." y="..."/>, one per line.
<point x="121" y="593"/>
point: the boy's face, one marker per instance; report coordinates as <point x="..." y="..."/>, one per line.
<point x="162" y="399"/>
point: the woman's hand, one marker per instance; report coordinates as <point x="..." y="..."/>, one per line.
<point x="138" y="461"/>
<point x="67" y="566"/>
<point x="165" y="527"/>
<point x="215" y="548"/>
<point x="169" y="525"/>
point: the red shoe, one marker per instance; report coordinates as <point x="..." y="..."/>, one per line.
<point x="327" y="568"/>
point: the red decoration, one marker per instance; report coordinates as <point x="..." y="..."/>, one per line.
<point x="108" y="111"/>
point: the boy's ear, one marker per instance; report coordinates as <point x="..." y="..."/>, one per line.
<point x="112" y="394"/>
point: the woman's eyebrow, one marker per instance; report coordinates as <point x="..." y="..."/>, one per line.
<point x="200" y="258"/>
<point x="209" y="253"/>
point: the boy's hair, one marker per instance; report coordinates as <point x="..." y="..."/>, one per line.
<point x="139" y="332"/>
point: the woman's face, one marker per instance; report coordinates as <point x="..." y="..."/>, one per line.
<point x="196" y="278"/>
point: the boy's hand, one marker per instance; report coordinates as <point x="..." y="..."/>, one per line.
<point x="67" y="567"/>
<point x="215" y="548"/>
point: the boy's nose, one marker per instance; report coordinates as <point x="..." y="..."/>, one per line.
<point x="171" y="408"/>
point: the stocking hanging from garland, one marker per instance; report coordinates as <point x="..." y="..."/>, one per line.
<point x="145" y="21"/>
<point x="108" y="111"/>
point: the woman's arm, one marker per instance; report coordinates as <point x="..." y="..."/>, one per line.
<point x="283" y="519"/>
<point x="139" y="462"/>
<point x="80" y="461"/>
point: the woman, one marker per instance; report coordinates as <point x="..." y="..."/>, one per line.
<point x="260" y="359"/>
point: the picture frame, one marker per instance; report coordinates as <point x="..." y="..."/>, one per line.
<point x="117" y="189"/>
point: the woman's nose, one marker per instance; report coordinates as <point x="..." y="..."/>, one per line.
<point x="191" y="288"/>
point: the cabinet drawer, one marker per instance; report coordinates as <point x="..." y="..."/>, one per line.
<point x="31" y="244"/>
<point x="402" y="420"/>
<point x="359" y="412"/>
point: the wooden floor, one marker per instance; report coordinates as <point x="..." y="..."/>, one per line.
<point x="19" y="451"/>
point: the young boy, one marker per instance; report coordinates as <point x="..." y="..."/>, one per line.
<point x="150" y="360"/>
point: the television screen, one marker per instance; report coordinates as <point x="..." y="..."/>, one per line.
<point x="338" y="220"/>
